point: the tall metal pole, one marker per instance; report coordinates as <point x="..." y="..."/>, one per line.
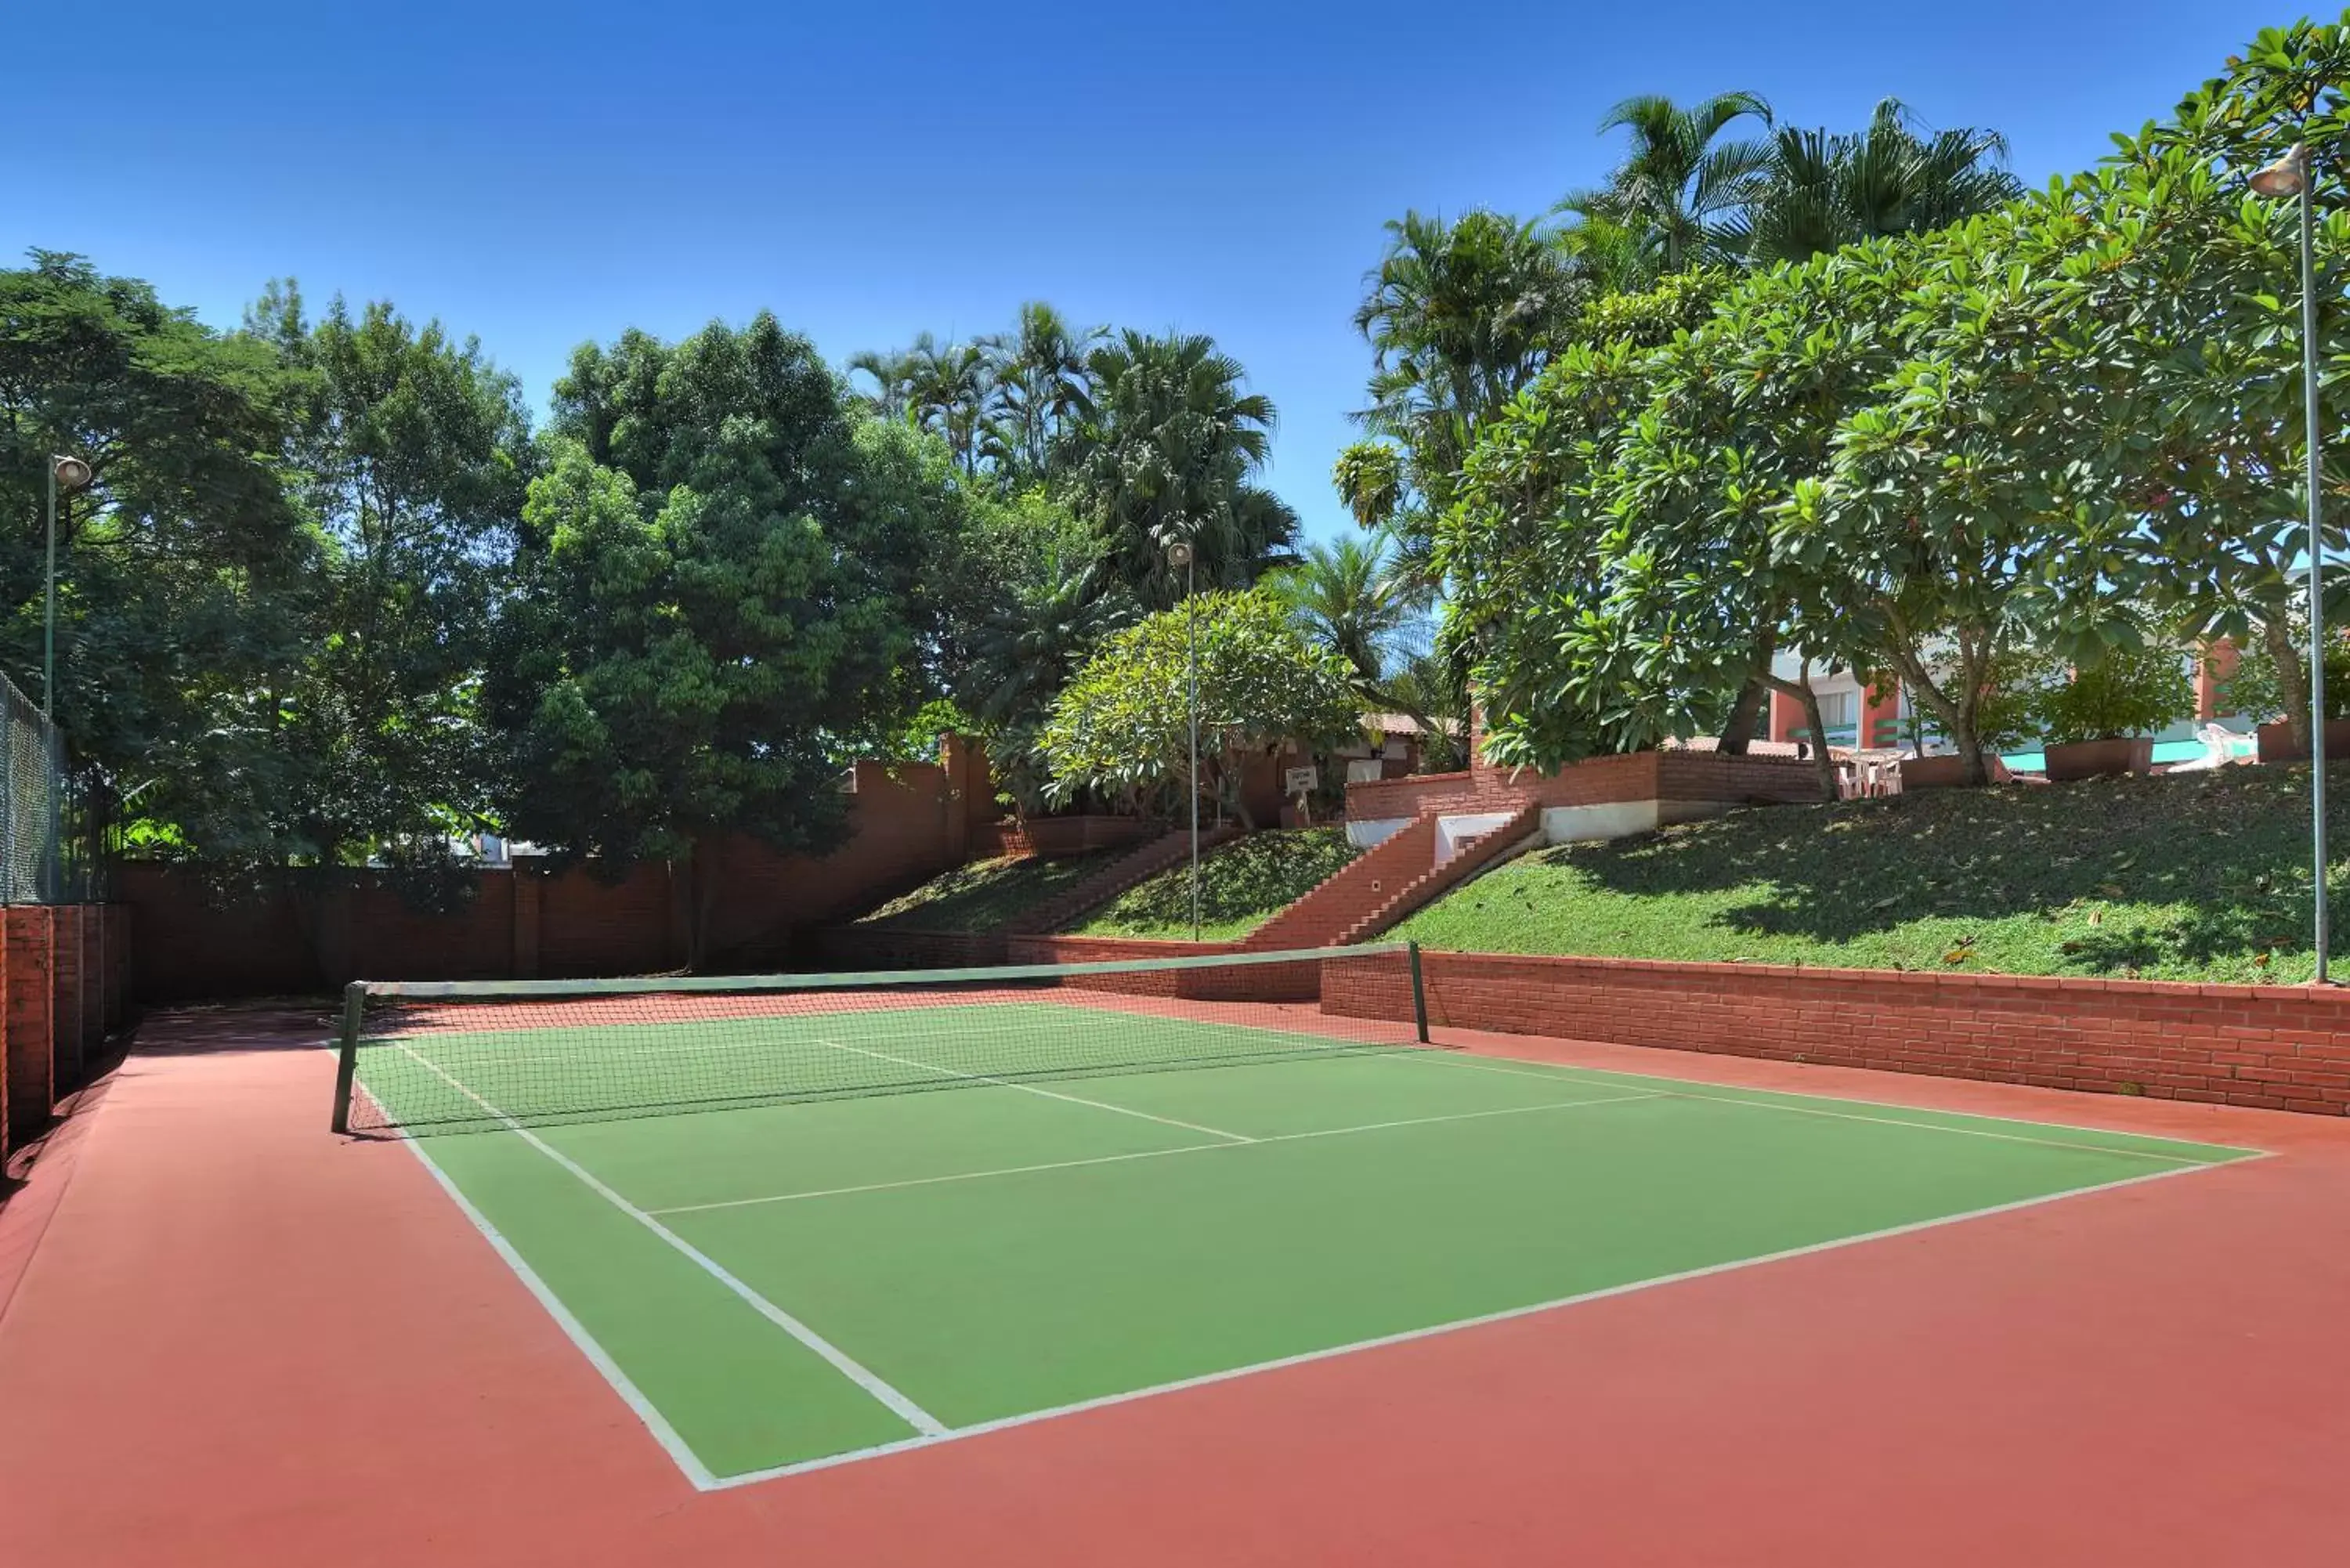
<point x="2322" y="931"/>
<point x="49" y="606"/>
<point x="1191" y="664"/>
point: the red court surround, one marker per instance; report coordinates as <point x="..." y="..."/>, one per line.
<point x="241" y="1341"/>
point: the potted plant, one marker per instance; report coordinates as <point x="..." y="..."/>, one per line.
<point x="2101" y="722"/>
<point x="2256" y="691"/>
<point x="2004" y="719"/>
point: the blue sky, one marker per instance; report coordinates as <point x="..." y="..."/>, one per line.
<point x="542" y="175"/>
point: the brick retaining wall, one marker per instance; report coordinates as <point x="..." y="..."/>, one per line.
<point x="907" y="823"/>
<point x="1668" y="775"/>
<point x="2277" y="1047"/>
<point x="1247" y="982"/>
<point x="61" y="994"/>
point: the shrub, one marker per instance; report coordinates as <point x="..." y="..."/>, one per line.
<point x="2255" y="691"/>
<point x="2125" y="692"/>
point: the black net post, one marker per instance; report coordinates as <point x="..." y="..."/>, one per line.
<point x="346" y="1066"/>
<point x="1419" y="994"/>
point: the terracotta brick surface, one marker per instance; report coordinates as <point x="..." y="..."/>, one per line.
<point x="2279" y="1047"/>
<point x="192" y="936"/>
<point x="29" y="992"/>
<point x="1673" y="775"/>
<point x="1363" y="885"/>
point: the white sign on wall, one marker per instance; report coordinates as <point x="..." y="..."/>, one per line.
<point x="1300" y="781"/>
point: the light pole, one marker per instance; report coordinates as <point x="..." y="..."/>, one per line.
<point x="68" y="473"/>
<point x="1178" y="554"/>
<point x="2290" y="175"/>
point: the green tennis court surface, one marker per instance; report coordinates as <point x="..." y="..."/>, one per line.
<point x="781" y="1284"/>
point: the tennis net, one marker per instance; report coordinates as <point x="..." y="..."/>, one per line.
<point x="440" y="1057"/>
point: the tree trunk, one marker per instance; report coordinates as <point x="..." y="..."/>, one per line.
<point x="1958" y="717"/>
<point x="693" y="888"/>
<point x="2293" y="675"/>
<point x="1740" y="731"/>
<point x="1822" y="765"/>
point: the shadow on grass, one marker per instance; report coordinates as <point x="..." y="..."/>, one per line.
<point x="985" y="893"/>
<point x="1243" y="884"/>
<point x="2198" y="869"/>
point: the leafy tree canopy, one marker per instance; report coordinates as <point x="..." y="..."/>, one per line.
<point x="185" y="570"/>
<point x="1121" y="728"/>
<point x="724" y="571"/>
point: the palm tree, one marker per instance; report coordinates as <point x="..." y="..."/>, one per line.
<point x="1166" y="445"/>
<point x="893" y="379"/>
<point x="1897" y="177"/>
<point x="1684" y="190"/>
<point x="1459" y="318"/>
<point x="1039" y="371"/>
<point x="947" y="391"/>
<point x="1346" y="597"/>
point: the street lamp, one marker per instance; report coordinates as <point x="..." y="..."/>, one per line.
<point x="2291" y="176"/>
<point x="69" y="474"/>
<point x="1179" y="555"/>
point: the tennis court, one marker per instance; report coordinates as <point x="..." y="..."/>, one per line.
<point x="797" y="1227"/>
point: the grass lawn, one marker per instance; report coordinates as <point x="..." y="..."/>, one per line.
<point x="2204" y="877"/>
<point x="985" y="894"/>
<point x="1242" y="886"/>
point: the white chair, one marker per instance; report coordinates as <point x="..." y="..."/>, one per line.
<point x="2217" y="748"/>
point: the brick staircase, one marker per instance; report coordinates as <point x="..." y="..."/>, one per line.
<point x="1162" y="853"/>
<point x="1388" y="881"/>
<point x="1469" y="856"/>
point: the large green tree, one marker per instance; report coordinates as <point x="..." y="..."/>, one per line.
<point x="409" y="453"/>
<point x="186" y="571"/>
<point x="724" y="572"/>
<point x="1037" y="380"/>
<point x="1684" y="186"/>
<point x="1121" y="728"/>
<point x="1824" y="190"/>
<point x="1169" y="446"/>
<point x="1459" y="318"/>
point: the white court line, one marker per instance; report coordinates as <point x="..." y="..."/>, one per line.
<point x="1142" y="1154"/>
<point x="913" y="1415"/>
<point x="1033" y="1089"/>
<point x="573" y="1329"/>
<point x="1029" y="1417"/>
<point x="1682" y="1091"/>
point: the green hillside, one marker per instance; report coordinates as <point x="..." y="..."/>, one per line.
<point x="2201" y="877"/>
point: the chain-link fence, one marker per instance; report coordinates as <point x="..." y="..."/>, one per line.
<point x="57" y="820"/>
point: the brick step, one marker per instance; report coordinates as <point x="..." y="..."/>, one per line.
<point x="1473" y="855"/>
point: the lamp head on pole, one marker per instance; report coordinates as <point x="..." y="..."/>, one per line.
<point x="71" y="472"/>
<point x="1178" y="554"/>
<point x="2288" y="176"/>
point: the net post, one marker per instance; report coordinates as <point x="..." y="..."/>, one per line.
<point x="346" y="1064"/>
<point x="1418" y="994"/>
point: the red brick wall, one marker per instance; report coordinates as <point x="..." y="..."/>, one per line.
<point x="906" y="822"/>
<point x="66" y="996"/>
<point x="1674" y="776"/>
<point x="1246" y="983"/>
<point x="60" y="971"/>
<point x="29" y="992"/>
<point x="885" y="946"/>
<point x="2278" y="1047"/>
